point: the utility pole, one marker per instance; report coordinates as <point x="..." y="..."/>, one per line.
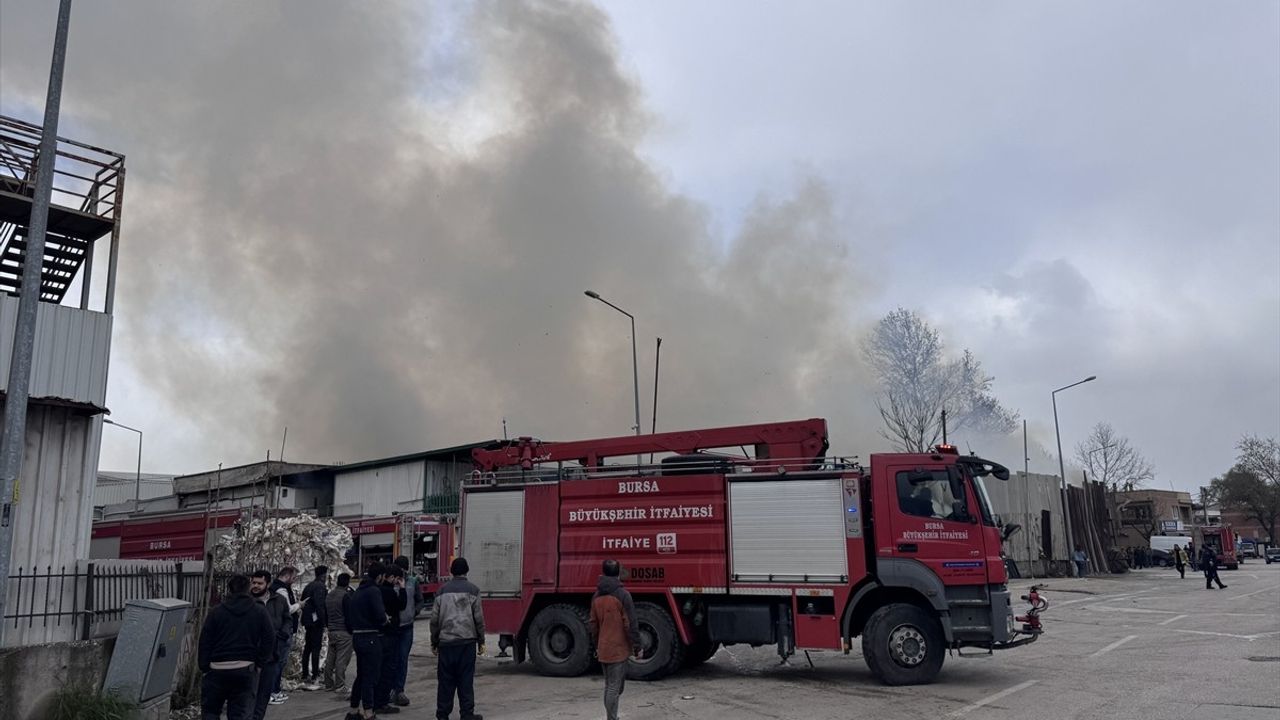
<point x="1026" y="492"/>
<point x="13" y="441"/>
<point x="1062" y="469"/>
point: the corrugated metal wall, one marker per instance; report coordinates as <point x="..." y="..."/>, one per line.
<point x="51" y="527"/>
<point x="1021" y="500"/>
<point x="114" y="492"/>
<point x="72" y="347"/>
<point x="382" y="490"/>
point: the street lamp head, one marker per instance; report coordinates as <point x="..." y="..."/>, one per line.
<point x="592" y="294"/>
<point x="1091" y="377"/>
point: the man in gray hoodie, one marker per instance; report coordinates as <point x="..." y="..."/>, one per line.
<point x="457" y="637"/>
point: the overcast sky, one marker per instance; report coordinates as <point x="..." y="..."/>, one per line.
<point x="376" y="228"/>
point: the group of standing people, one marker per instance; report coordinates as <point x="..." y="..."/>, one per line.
<point x="245" y="642"/>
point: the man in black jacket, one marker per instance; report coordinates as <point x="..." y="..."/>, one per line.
<point x="394" y="600"/>
<point x="236" y="641"/>
<point x="280" y="619"/>
<point x="283" y="586"/>
<point x="365" y="615"/>
<point x="1209" y="564"/>
<point x="313" y="620"/>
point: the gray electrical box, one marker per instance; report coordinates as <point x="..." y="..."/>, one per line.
<point x="148" y="649"/>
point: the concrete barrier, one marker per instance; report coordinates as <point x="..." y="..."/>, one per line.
<point x="29" y="676"/>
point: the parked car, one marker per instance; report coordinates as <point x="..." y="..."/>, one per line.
<point x="1248" y="548"/>
<point x="1272" y="554"/>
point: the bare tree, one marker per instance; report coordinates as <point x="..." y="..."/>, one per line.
<point x="1242" y="490"/>
<point x="1252" y="487"/>
<point x="918" y="382"/>
<point x="1111" y="460"/>
<point x="1260" y="456"/>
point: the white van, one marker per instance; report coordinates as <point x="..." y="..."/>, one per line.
<point x="1162" y="547"/>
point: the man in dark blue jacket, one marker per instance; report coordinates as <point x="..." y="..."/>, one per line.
<point x="366" y="615"/>
<point x="237" y="640"/>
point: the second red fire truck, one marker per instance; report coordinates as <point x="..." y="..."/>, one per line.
<point x="765" y="541"/>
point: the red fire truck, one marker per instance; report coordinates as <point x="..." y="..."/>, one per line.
<point x="1222" y="539"/>
<point x="780" y="545"/>
<point x="427" y="540"/>
<point x="166" y="536"/>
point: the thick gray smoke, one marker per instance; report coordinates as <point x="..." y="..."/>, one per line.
<point x="375" y="226"/>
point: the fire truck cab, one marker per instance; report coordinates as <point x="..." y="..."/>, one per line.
<point x="778" y="546"/>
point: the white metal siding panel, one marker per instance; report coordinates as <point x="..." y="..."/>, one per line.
<point x="381" y="491"/>
<point x="51" y="528"/>
<point x="113" y="492"/>
<point x="72" y="347"/>
<point x="493" y="540"/>
<point x="787" y="529"/>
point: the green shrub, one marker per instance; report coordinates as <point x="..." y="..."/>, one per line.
<point x="77" y="702"/>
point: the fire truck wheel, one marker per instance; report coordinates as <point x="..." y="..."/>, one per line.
<point x="903" y="645"/>
<point x="560" y="642"/>
<point x="661" y="649"/>
<point x="700" y="651"/>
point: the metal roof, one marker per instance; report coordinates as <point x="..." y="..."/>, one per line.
<point x="240" y="475"/>
<point x="442" y="453"/>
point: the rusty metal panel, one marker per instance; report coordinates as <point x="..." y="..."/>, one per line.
<point x="72" y="349"/>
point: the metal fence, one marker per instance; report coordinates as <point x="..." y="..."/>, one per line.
<point x="88" y="600"/>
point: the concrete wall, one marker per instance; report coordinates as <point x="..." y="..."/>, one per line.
<point x="30" y="675"/>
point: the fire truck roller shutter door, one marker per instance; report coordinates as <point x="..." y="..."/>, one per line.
<point x="493" y="540"/>
<point x="788" y="530"/>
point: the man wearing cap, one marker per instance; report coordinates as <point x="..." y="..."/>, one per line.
<point x="457" y="637"/>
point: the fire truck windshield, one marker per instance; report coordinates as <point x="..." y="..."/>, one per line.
<point x="984" y="501"/>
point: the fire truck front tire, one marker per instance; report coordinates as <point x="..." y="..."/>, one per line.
<point x="702" y="650"/>
<point x="560" y="641"/>
<point x="903" y="645"/>
<point x="662" y="651"/>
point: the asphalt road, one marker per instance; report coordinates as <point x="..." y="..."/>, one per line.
<point x="1138" y="646"/>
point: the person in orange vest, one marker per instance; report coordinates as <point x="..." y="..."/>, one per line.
<point x="614" y="632"/>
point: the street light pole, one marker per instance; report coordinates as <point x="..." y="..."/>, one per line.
<point x="13" y="436"/>
<point x="1062" y="470"/>
<point x="137" y="481"/>
<point x="635" y="363"/>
